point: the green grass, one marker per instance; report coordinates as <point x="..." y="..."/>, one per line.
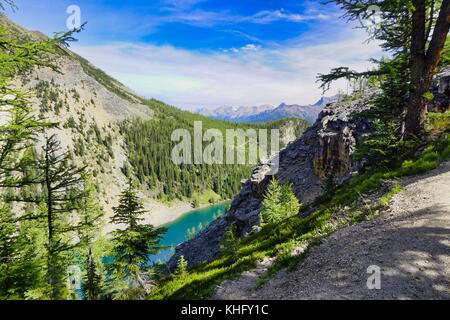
<point x="206" y="197"/>
<point x="438" y="122"/>
<point x="278" y="240"/>
<point x="384" y="200"/>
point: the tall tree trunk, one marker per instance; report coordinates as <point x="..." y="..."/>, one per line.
<point x="51" y="263"/>
<point x="424" y="63"/>
<point x="415" y="116"/>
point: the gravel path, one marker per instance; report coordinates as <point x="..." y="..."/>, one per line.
<point x="409" y="242"/>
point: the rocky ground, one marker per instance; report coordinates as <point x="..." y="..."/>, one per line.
<point x="409" y="242"/>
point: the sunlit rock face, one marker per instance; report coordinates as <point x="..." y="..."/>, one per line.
<point x="325" y="150"/>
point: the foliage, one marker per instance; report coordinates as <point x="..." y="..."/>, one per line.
<point x="384" y="200"/>
<point x="134" y="242"/>
<point x="91" y="215"/>
<point x="279" y="203"/>
<point x="230" y="241"/>
<point x="445" y="58"/>
<point x="413" y="31"/>
<point x="181" y="269"/>
<point x="438" y="122"/>
<point x="384" y="145"/>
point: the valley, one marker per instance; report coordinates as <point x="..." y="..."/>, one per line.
<point x="107" y="126"/>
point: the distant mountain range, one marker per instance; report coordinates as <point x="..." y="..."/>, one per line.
<point x="266" y="113"/>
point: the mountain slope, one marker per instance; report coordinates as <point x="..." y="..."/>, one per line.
<point x="409" y="242"/>
<point x="96" y="114"/>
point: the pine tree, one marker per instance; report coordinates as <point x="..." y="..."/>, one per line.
<point x="272" y="210"/>
<point x="135" y="241"/>
<point x="182" y="267"/>
<point x="61" y="182"/>
<point x="188" y="234"/>
<point x="279" y="203"/>
<point x="93" y="279"/>
<point x="8" y="250"/>
<point x="20" y="237"/>
<point x="230" y="241"/>
<point x="90" y="214"/>
<point x="22" y="253"/>
<point x="289" y="202"/>
<point x="414" y="29"/>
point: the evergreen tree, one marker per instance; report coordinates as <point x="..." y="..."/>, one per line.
<point x="22" y="252"/>
<point x="230" y="241"/>
<point x="279" y="203"/>
<point x="188" y="234"/>
<point x="61" y="183"/>
<point x="414" y="29"/>
<point x="134" y="242"/>
<point x="20" y="238"/>
<point x="93" y="278"/>
<point x="8" y="250"/>
<point x="90" y="214"/>
<point x="182" y="267"/>
<point x="289" y="202"/>
<point x="271" y="211"/>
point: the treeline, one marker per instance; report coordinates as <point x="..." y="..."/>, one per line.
<point x="150" y="148"/>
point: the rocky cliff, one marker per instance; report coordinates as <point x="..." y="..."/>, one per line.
<point x="325" y="150"/>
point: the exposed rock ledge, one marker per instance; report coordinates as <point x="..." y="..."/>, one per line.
<point x="325" y="148"/>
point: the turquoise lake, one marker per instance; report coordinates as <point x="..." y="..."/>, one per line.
<point x="177" y="230"/>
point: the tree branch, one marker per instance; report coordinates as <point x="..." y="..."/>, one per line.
<point x="345" y="73"/>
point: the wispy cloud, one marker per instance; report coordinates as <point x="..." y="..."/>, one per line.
<point x="180" y="4"/>
<point x="213" y="18"/>
<point x="244" y="35"/>
<point x="267" y="16"/>
<point x="251" y="75"/>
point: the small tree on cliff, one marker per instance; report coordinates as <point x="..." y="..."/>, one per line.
<point x="414" y="29"/>
<point x="230" y="242"/>
<point x="279" y="203"/>
<point x="182" y="267"/>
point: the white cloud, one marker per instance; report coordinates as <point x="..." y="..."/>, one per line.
<point x="248" y="47"/>
<point x="247" y="76"/>
<point x="183" y="12"/>
<point x="266" y="16"/>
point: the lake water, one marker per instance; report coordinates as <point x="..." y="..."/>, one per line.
<point x="177" y="230"/>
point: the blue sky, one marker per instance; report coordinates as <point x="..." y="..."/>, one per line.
<point x="209" y="53"/>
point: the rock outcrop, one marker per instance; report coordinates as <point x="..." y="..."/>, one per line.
<point x="325" y="150"/>
<point x="441" y="92"/>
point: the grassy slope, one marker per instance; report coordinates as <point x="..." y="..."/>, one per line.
<point x="279" y="240"/>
